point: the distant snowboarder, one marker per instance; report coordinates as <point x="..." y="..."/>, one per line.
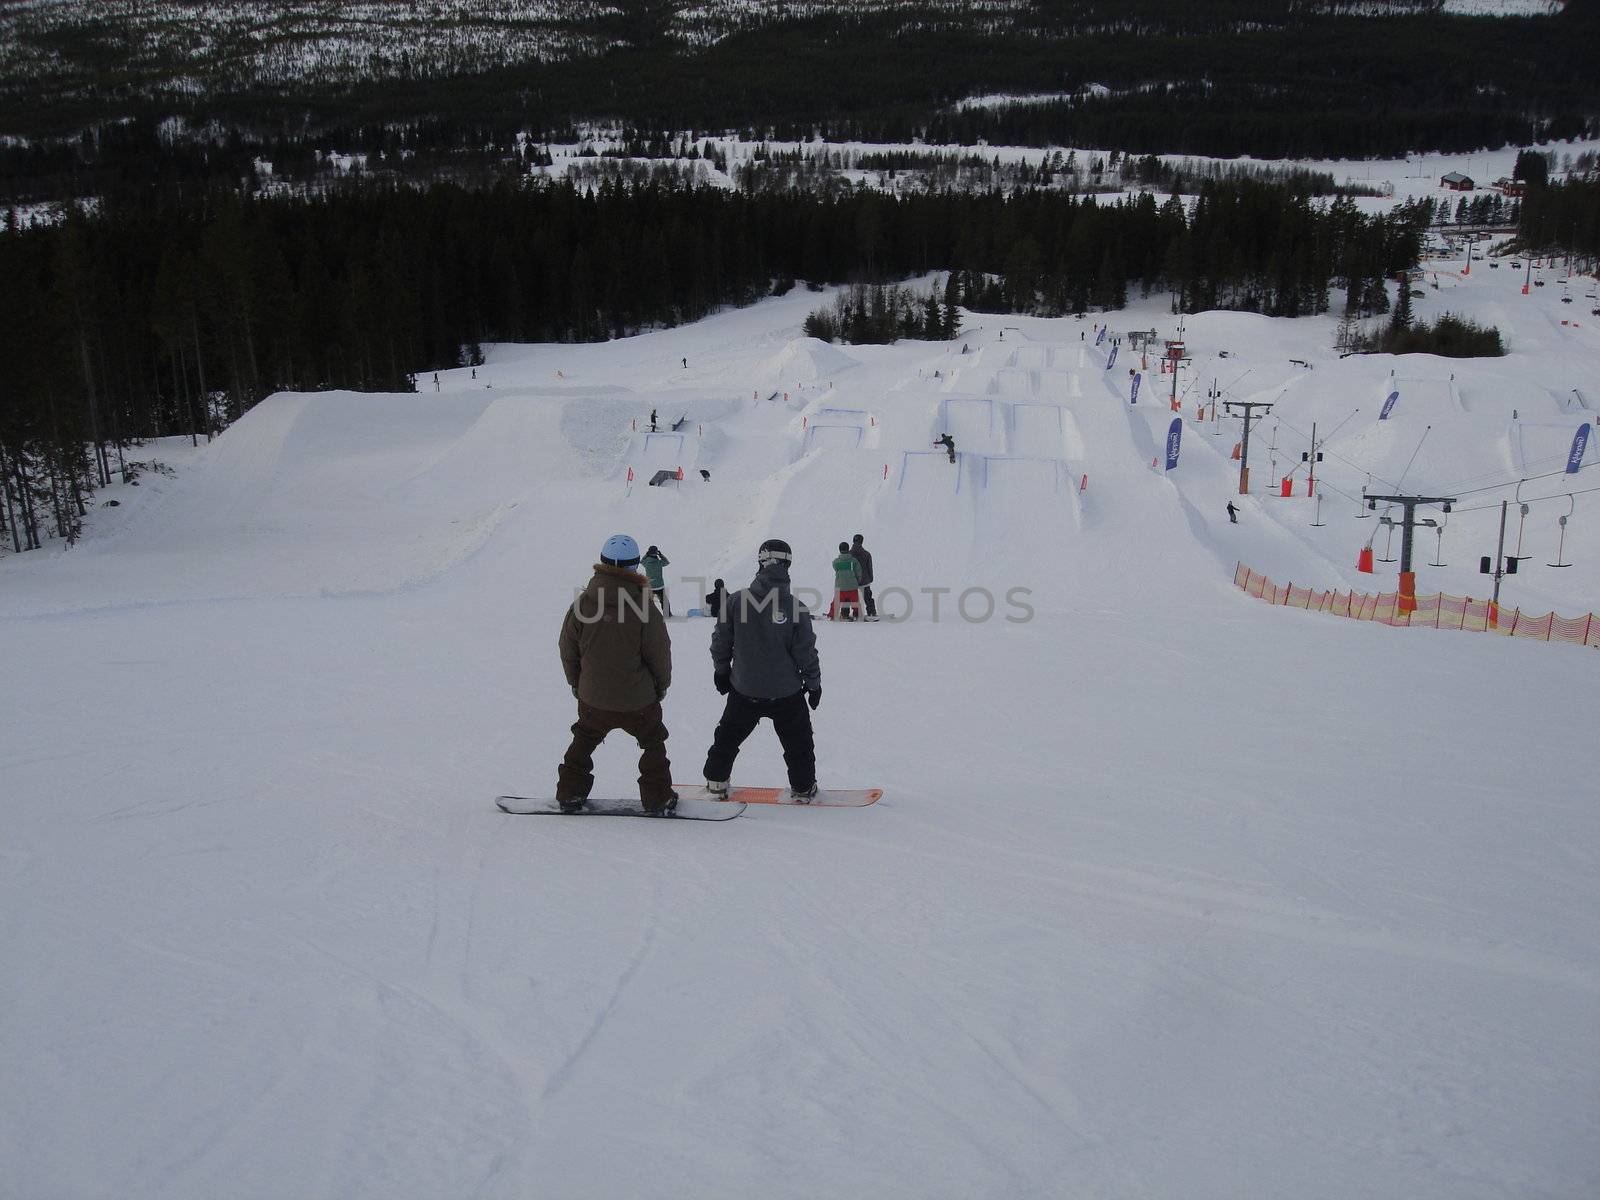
<point x="717" y="600"/>
<point x="654" y="563"/>
<point x="863" y="556"/>
<point x="764" y="660"/>
<point x="617" y="656"/>
<point x="652" y="420"/>
<point x="949" y="443"/>
<point x="846" y="604"/>
<point x="1233" y="513"/>
<point x="685" y="364"/>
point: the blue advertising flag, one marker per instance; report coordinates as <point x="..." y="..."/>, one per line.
<point x="1580" y="443"/>
<point x="1388" y="406"/>
<point x="1110" y="362"/>
<point x="1174" y="436"/>
<point x="1101" y="336"/>
<point x="1134" y="398"/>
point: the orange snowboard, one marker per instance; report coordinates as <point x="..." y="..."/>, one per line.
<point x="847" y="798"/>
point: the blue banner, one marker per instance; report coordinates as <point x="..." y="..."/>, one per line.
<point x="1388" y="406"/>
<point x="1100" y="337"/>
<point x="1174" y="436"/>
<point x="1580" y="443"/>
<point x="1134" y="398"/>
<point x="1112" y="361"/>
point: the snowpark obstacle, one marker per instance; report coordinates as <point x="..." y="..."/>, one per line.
<point x="1048" y="474"/>
<point x="833" y="437"/>
<point x="936" y="459"/>
<point x="1438" y="611"/>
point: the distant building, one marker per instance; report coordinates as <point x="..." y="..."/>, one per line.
<point x="1458" y="182"/>
<point x="1511" y="187"/>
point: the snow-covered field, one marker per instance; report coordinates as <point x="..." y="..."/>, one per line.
<point x="1172" y="894"/>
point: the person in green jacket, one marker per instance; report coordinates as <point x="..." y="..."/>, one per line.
<point x="653" y="564"/>
<point x="846" y="585"/>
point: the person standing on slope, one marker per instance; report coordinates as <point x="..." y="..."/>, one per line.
<point x="654" y="563"/>
<point x="846" y="586"/>
<point x="949" y="443"/>
<point x="863" y="558"/>
<point x="717" y="600"/>
<point x="617" y="656"/>
<point x="764" y="660"/>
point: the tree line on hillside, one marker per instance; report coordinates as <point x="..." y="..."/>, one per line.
<point x="1563" y="217"/>
<point x="161" y="316"/>
<point x="1275" y="79"/>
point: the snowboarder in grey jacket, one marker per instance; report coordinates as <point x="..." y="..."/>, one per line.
<point x="764" y="660"/>
<point x="863" y="556"/>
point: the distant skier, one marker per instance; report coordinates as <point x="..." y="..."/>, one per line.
<point x="764" y="660"/>
<point x="436" y="381"/>
<point x="654" y="563"/>
<point x="846" y="586"/>
<point x="617" y="656"/>
<point x="863" y="557"/>
<point x="949" y="443"/>
<point x="1233" y="513"/>
<point x="685" y="364"/>
<point x="717" y="600"/>
<point x="652" y="420"/>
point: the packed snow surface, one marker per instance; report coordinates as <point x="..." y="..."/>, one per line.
<point x="1171" y="894"/>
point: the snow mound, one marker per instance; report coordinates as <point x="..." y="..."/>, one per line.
<point x="803" y="360"/>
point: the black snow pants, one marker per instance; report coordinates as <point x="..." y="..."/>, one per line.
<point x="791" y="719"/>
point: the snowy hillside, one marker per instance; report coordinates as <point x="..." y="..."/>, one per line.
<point x="1171" y="893"/>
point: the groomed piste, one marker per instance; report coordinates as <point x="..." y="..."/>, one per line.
<point x="1170" y="894"/>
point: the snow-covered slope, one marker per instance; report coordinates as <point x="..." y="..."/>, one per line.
<point x="1171" y="893"/>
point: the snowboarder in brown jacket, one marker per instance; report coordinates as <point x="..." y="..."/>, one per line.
<point x="617" y="656"/>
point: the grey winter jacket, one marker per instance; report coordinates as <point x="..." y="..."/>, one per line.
<point x="863" y="556"/>
<point x="764" y="639"/>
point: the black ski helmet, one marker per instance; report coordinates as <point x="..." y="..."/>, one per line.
<point x="774" y="550"/>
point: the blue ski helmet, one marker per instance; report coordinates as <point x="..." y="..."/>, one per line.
<point x="620" y="550"/>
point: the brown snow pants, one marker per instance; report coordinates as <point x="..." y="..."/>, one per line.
<point x="576" y="774"/>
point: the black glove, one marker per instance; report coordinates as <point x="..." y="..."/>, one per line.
<point x="814" y="697"/>
<point x="722" y="683"/>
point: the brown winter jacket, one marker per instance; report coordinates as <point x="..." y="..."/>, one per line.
<point x="614" y="643"/>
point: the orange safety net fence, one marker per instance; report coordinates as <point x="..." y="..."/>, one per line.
<point x="1437" y="611"/>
